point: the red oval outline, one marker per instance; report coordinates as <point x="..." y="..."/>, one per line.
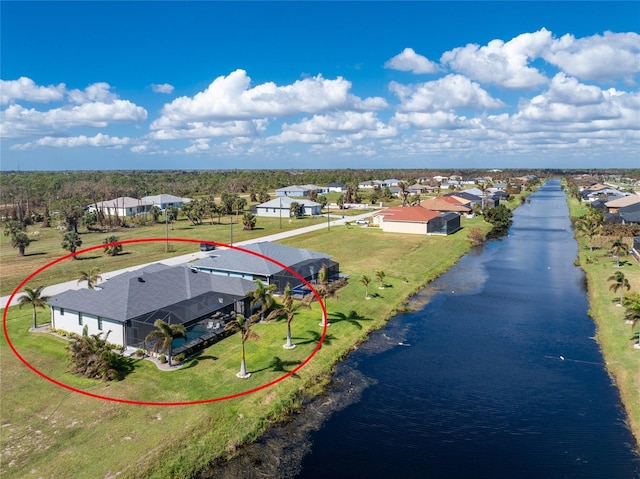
<point x="154" y="403"/>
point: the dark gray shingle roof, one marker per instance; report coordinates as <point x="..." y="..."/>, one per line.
<point x="132" y="294"/>
<point x="236" y="260"/>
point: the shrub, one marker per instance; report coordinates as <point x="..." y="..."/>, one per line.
<point x="181" y="357"/>
<point x="162" y="358"/>
<point x="139" y="352"/>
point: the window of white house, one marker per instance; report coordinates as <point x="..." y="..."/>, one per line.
<point x="99" y="323"/>
<point x="80" y="319"/>
<point x="61" y="311"/>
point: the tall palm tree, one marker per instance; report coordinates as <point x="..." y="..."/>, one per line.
<point x="71" y="242"/>
<point x="91" y="277"/>
<point x="619" y="248"/>
<point x="164" y="335"/>
<point x="243" y="326"/>
<point x="262" y="296"/>
<point x="155" y="213"/>
<point x="289" y="309"/>
<point x="618" y="282"/>
<point x="366" y="281"/>
<point x="380" y="275"/>
<point x="404" y="192"/>
<point x="588" y="226"/>
<point x="35" y="298"/>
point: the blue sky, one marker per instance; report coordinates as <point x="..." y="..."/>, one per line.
<point x="219" y="85"/>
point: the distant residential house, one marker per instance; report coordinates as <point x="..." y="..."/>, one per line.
<point x="281" y="207"/>
<point x="127" y="305"/>
<point x="391" y="182"/>
<point x="370" y="184"/>
<point x="418" y="189"/>
<point x="335" y="187"/>
<point x="122" y="206"/>
<point x="416" y="220"/>
<point x="301" y="190"/>
<point x="465" y="198"/>
<point x="442" y="205"/>
<point x="630" y="214"/>
<point x="614" y="205"/>
<point x="265" y="264"/>
<point x="293" y="190"/>
<point x="163" y="201"/>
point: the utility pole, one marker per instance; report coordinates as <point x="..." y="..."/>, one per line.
<point x="166" y="226"/>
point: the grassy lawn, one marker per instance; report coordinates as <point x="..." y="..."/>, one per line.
<point x="48" y="431"/>
<point x="45" y="247"/>
<point x="613" y="335"/>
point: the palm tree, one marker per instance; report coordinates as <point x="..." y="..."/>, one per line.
<point x="92" y="357"/>
<point x="248" y="221"/>
<point x="91" y="277"/>
<point x="164" y="335"/>
<point x="366" y="281"/>
<point x="155" y="213"/>
<point x="619" y="248"/>
<point x="618" y="282"/>
<point x="243" y="325"/>
<point x="262" y="296"/>
<point x="111" y="248"/>
<point x="589" y="226"/>
<point x="71" y="242"/>
<point x="35" y="298"/>
<point x="20" y="241"/>
<point x="289" y="309"/>
<point x="404" y="192"/>
<point x="380" y="275"/>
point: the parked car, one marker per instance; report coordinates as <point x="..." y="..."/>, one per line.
<point x="207" y="247"/>
<point x="362" y="222"/>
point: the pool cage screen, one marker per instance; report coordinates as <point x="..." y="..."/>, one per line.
<point x="187" y="313"/>
<point x="308" y="270"/>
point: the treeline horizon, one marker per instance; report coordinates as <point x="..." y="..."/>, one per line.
<point x="51" y="189"/>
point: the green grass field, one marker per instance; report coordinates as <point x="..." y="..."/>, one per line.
<point x="49" y="431"/>
<point x="613" y="335"/>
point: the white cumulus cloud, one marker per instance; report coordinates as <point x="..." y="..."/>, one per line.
<point x="449" y="92"/>
<point x="18" y="121"/>
<point x="98" y="140"/>
<point x="598" y="57"/>
<point x="500" y="63"/>
<point x="26" y="89"/>
<point x="409" y="61"/>
<point x="162" y="88"/>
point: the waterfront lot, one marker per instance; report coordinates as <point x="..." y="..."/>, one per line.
<point x="49" y="431"/>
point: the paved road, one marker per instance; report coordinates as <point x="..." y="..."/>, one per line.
<point x="176" y="260"/>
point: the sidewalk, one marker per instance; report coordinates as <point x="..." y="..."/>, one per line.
<point x="177" y="260"/>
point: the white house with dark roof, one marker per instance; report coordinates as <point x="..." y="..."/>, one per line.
<point x="281" y="207"/>
<point x="163" y="201"/>
<point x="127" y="305"/>
<point x="268" y="262"/>
<point x="122" y="206"/>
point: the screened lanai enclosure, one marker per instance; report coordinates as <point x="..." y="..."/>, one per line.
<point x="309" y="270"/>
<point x="205" y="317"/>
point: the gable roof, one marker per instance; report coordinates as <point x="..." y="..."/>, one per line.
<point x="624" y="201"/>
<point x="408" y="214"/>
<point x="148" y="289"/>
<point x="441" y="204"/>
<point x="259" y="263"/>
<point x="121" y="202"/>
<point x="165" y="198"/>
<point x="285" y="203"/>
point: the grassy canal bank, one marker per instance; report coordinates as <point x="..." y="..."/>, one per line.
<point x="614" y="336"/>
<point x="48" y="431"/>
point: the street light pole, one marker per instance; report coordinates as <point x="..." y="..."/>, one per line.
<point x="166" y="226"/>
<point x="231" y="230"/>
<point x="328" y="217"/>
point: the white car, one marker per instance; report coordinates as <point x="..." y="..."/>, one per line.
<point x="362" y="222"/>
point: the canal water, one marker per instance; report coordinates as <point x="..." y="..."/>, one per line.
<point x="495" y="374"/>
